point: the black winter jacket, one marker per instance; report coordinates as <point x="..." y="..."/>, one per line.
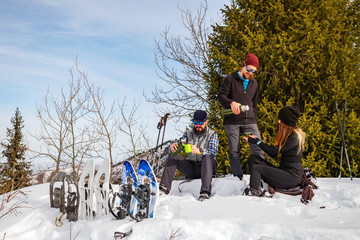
<point x="291" y="159"/>
<point x="232" y="89"/>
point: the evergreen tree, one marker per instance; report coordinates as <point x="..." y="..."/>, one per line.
<point x="309" y="56"/>
<point x="15" y="171"/>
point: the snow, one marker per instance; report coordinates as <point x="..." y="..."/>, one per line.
<point x="334" y="213"/>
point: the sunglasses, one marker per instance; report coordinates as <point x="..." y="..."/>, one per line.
<point x="249" y="69"/>
<point x="198" y="123"/>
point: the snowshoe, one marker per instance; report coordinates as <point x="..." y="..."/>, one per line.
<point x="122" y="203"/>
<point x="146" y="192"/>
<point x="62" y="195"/>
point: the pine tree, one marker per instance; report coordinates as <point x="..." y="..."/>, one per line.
<point x="15" y="171"/>
<point x="309" y="56"/>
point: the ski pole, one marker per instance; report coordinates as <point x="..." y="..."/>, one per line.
<point x="159" y="126"/>
<point x="347" y="158"/>
<point x="162" y="141"/>
<point x="165" y="120"/>
<point x="342" y="147"/>
<point x="343" y="139"/>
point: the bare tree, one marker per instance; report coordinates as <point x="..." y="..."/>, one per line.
<point x="102" y="118"/>
<point x="186" y="88"/>
<point x="130" y="126"/>
<point x="80" y="140"/>
<point x="78" y="125"/>
<point x="65" y="136"/>
<point x="54" y="128"/>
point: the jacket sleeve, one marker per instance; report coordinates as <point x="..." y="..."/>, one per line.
<point x="224" y="91"/>
<point x="272" y="151"/>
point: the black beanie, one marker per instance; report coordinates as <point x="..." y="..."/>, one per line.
<point x="289" y="115"/>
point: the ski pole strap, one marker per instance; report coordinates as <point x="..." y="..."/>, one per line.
<point x="58" y="221"/>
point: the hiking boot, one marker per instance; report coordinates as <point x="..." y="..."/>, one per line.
<point x="246" y="191"/>
<point x="163" y="190"/>
<point x="257" y="193"/>
<point x="203" y="196"/>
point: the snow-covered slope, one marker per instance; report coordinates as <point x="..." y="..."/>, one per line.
<point x="334" y="213"/>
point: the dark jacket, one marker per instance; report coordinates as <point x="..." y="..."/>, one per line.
<point x="291" y="159"/>
<point x="232" y="89"/>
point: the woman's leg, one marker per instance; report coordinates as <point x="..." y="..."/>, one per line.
<point x="274" y="176"/>
<point x="255" y="159"/>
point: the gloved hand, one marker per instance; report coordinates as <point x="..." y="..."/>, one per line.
<point x="253" y="140"/>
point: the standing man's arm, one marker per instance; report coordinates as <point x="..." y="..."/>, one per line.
<point x="224" y="91"/>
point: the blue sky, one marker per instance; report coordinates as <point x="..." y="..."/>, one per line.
<point x="112" y="40"/>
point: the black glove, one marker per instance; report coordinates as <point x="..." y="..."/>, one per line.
<point x="253" y="140"/>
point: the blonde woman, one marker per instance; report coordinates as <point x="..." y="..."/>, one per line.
<point x="289" y="142"/>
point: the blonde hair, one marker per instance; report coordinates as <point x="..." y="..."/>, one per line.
<point x="301" y="138"/>
<point x="284" y="131"/>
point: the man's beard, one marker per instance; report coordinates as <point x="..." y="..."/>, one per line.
<point x="200" y="131"/>
<point x="250" y="77"/>
<point x="244" y="76"/>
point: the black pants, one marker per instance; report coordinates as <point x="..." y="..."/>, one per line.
<point x="260" y="169"/>
<point x="203" y="169"/>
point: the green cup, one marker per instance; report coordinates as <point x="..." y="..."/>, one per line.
<point x="188" y="148"/>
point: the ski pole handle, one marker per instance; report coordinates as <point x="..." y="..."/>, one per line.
<point x="165" y="118"/>
<point x="160" y="124"/>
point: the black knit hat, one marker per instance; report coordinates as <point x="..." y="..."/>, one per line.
<point x="200" y="116"/>
<point x="289" y="115"/>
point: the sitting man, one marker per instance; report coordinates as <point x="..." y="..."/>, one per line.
<point x="200" y="162"/>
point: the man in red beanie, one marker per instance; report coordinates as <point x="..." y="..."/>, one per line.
<point x="240" y="88"/>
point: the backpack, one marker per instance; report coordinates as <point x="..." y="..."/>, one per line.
<point x="308" y="183"/>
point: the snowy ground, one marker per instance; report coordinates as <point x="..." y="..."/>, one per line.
<point x="334" y="213"/>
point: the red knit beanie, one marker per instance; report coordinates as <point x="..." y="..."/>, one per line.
<point x="251" y="59"/>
